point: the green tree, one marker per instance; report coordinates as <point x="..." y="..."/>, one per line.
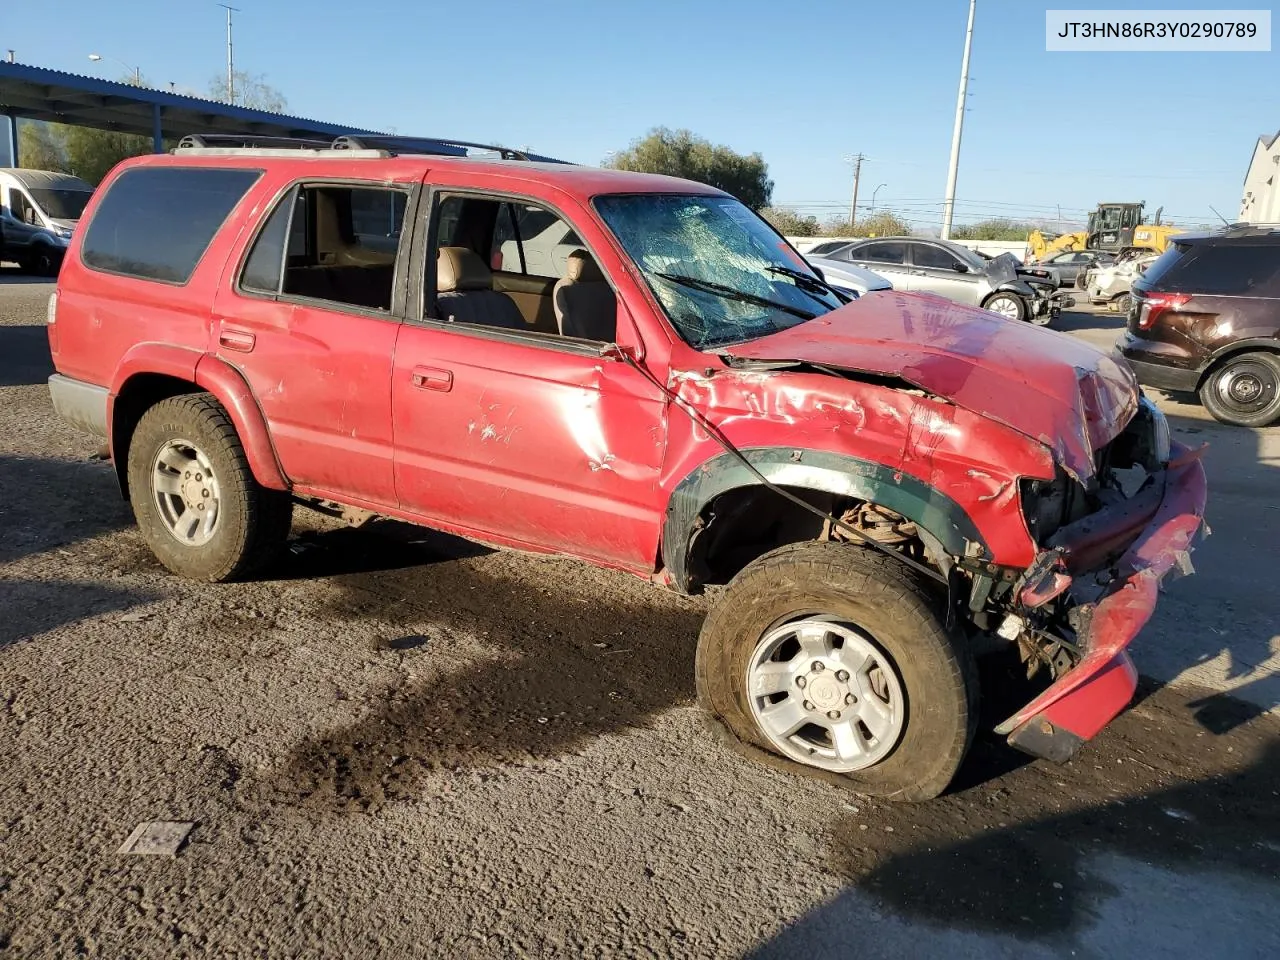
<point x="679" y="153"/>
<point x="882" y="224"/>
<point x="91" y="152"/>
<point x="251" y="90"/>
<point x="41" y="146"/>
<point x="791" y="224"/>
<point x="998" y="228"/>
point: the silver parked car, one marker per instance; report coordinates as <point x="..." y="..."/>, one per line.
<point x="955" y="272"/>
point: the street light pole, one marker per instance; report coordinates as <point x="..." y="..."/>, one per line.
<point x="949" y="207"/>
<point x="231" y="73"/>
<point x="857" y="175"/>
<point x="136" y="71"/>
<point x="873" y="196"/>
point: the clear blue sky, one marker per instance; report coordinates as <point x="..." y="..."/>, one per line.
<point x="804" y="84"/>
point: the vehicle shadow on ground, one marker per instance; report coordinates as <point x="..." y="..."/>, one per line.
<point x="1039" y="872"/>
<point x="10" y="274"/>
<point x="556" y="668"/>
<point x="49" y="506"/>
<point x="378" y="545"/>
<point x="33" y="607"/>
<point x="1243" y="626"/>
<point x="25" y="350"/>
<point x="1077" y="320"/>
<point x="46" y="504"/>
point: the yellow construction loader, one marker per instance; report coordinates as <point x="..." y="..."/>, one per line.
<point x="1112" y="227"/>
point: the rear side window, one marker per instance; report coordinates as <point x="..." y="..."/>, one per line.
<point x="155" y="223"/>
<point x="1228" y="269"/>
<point x="927" y="255"/>
<point x="888" y="252"/>
<point x="330" y="242"/>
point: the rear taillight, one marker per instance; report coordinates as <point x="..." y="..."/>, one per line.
<point x="1154" y="304"/>
<point x="51" y="314"/>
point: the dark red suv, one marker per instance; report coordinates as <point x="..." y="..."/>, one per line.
<point x="1205" y="318"/>
<point x="637" y="371"/>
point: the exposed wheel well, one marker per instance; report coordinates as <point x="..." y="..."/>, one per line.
<point x="745" y="523"/>
<point x="139" y="394"/>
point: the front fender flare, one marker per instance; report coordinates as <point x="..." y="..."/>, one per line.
<point x="833" y="473"/>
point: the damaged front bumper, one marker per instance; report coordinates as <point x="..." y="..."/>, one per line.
<point x="1088" y="696"/>
<point x="1052" y="305"/>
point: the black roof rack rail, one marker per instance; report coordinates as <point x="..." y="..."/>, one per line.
<point x="386" y="144"/>
<point x="196" y="141"/>
<point x="432" y="145"/>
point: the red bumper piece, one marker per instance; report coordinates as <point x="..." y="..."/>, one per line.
<point x="1087" y="698"/>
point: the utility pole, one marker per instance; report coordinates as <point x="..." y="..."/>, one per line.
<point x="231" y="74"/>
<point x="857" y="174"/>
<point x="949" y="207"/>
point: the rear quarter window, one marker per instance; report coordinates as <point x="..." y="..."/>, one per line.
<point x="155" y="223"/>
<point x="1229" y="269"/>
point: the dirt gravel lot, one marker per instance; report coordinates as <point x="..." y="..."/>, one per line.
<point x="399" y="744"/>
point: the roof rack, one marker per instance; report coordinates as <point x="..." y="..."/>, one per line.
<point x="369" y="145"/>
<point x="433" y="145"/>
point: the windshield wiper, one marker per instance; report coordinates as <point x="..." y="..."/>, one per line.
<point x="807" y="282"/>
<point x="710" y="286"/>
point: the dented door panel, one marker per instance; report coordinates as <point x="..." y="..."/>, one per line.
<point x="555" y="449"/>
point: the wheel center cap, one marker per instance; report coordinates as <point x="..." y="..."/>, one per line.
<point x="1246" y="388"/>
<point x="192" y="492"/>
<point x="824" y="690"/>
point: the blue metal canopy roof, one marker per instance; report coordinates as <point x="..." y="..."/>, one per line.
<point x="41" y="94"/>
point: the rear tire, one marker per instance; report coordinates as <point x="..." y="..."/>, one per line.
<point x="1244" y="390"/>
<point x="888" y="616"/>
<point x="196" y="501"/>
<point x="1008" y="305"/>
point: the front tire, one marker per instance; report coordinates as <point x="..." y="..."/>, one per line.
<point x="1008" y="305"/>
<point x="1244" y="390"/>
<point x="196" y="501"/>
<point x="838" y="659"/>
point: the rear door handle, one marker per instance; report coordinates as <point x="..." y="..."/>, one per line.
<point x="242" y="341"/>
<point x="432" y="378"/>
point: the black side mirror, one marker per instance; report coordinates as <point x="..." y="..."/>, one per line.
<point x="818" y="273"/>
<point x="962" y="268"/>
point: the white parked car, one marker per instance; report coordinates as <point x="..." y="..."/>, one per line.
<point x="1111" y="283"/>
<point x="848" y="277"/>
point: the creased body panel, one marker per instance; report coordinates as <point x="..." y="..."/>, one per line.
<point x="909" y="439"/>
<point x="1046" y="385"/>
<point x="1085" y="699"/>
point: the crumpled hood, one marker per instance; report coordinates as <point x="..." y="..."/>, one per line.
<point x="1046" y="385"/>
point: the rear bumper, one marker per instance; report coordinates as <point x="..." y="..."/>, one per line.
<point x="1162" y="376"/>
<point x="81" y="404"/>
<point x="1091" y="694"/>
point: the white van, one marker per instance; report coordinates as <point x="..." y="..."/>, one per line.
<point x="38" y="211"/>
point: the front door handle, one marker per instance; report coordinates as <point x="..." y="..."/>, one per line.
<point x="242" y="341"/>
<point x="432" y="378"/>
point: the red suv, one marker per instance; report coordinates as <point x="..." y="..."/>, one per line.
<point x="639" y="372"/>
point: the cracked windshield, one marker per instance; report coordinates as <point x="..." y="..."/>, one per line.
<point x="721" y="274"/>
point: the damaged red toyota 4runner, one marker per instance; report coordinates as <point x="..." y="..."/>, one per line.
<point x="639" y="372"/>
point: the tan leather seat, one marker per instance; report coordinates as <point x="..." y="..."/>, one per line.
<point x="465" y="292"/>
<point x="584" y="302"/>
